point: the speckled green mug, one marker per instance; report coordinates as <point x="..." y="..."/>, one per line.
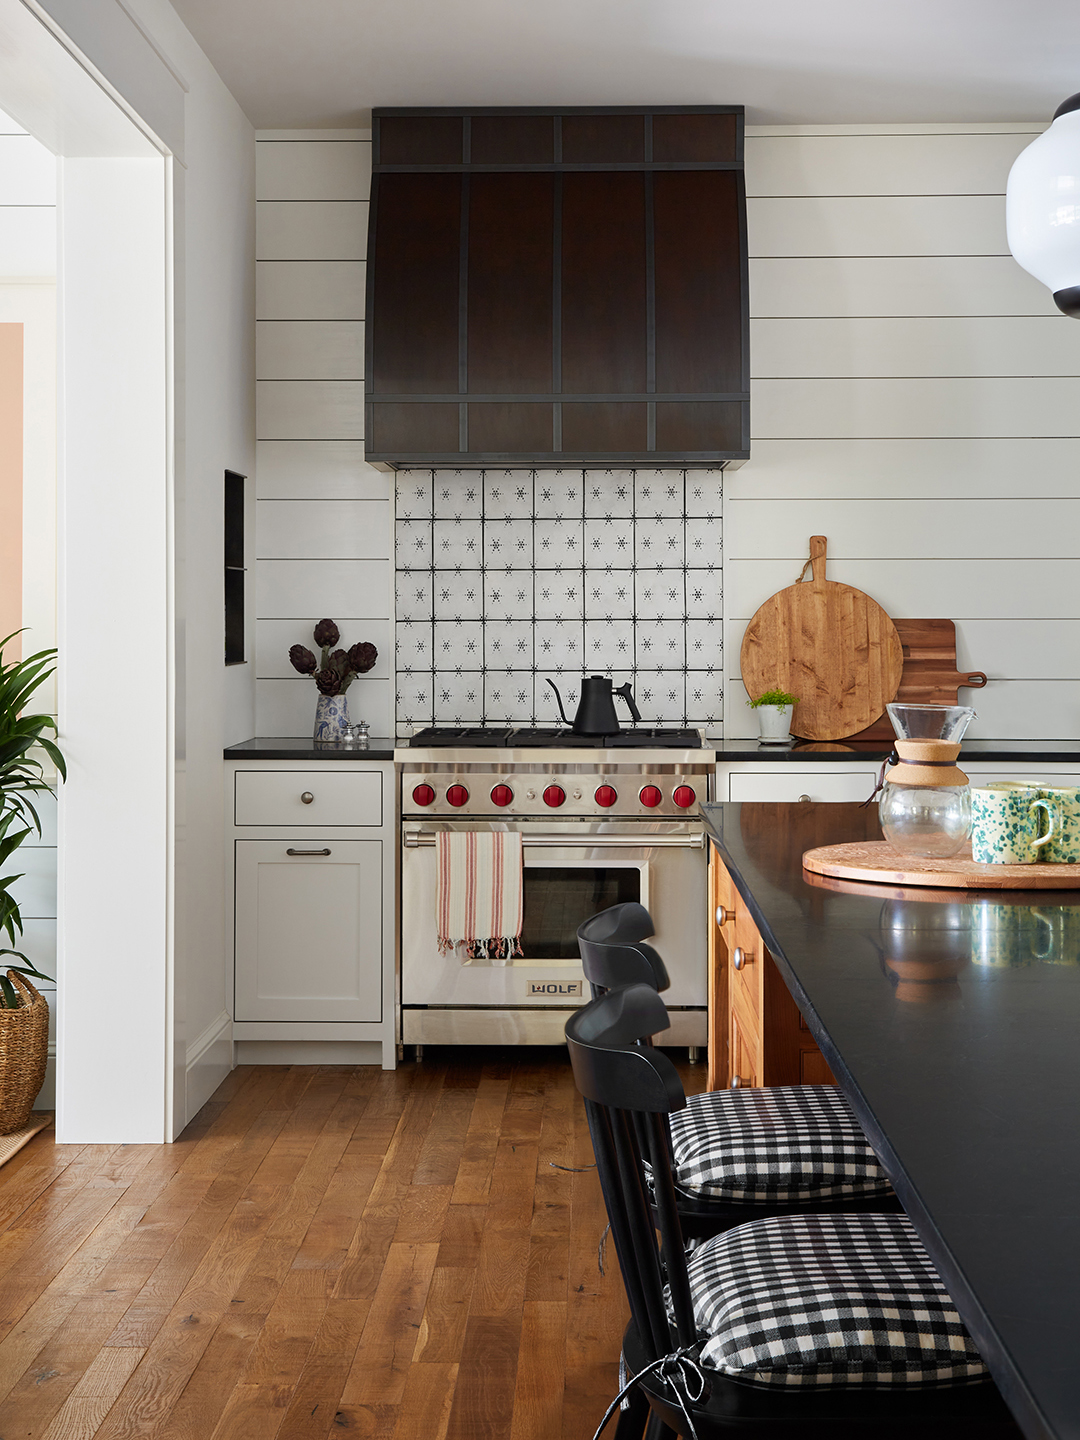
<point x="1064" y="846"/>
<point x="1010" y="826"/>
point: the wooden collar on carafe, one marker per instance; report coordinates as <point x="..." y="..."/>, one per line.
<point x="926" y="762"/>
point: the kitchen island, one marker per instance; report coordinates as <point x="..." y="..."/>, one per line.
<point x="952" y="1021"/>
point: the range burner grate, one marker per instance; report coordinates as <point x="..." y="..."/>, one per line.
<point x="560" y="739"/>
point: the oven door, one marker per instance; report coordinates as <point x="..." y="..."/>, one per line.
<point x="571" y="871"/>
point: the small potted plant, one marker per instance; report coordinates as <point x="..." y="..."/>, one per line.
<point x="332" y="676"/>
<point x="24" y="1014"/>
<point x="774" y="716"/>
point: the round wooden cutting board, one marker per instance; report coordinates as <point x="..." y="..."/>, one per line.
<point x="876" y="860"/>
<point x="830" y="645"/>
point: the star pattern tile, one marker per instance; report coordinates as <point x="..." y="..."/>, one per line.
<point x="505" y="577"/>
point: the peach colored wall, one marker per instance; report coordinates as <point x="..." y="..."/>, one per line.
<point x="11" y="482"/>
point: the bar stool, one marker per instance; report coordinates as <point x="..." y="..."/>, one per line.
<point x="739" y="1155"/>
<point x="810" y="1327"/>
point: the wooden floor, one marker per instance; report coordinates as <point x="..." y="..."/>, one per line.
<point x="325" y="1250"/>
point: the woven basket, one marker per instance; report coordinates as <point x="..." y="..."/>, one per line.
<point x="24" y="1053"/>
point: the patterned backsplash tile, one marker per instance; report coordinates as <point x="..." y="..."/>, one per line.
<point x="506" y="577"/>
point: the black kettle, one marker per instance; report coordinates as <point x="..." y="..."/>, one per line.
<point x="596" y="708"/>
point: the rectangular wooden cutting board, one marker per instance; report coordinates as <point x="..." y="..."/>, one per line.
<point x="930" y="676"/>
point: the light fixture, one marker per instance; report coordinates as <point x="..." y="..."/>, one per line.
<point x="1042" y="207"/>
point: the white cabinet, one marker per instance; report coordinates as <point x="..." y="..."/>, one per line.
<point x="309" y="930"/>
<point x="779" y="782"/>
<point x="313" y="856"/>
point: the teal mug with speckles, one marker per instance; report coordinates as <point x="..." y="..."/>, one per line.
<point x="1011" y="826"/>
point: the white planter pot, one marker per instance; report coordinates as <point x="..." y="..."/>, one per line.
<point x="775" y="724"/>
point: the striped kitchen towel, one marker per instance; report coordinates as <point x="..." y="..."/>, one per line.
<point x="478" y="893"/>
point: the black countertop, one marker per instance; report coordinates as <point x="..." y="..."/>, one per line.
<point x="1017" y="752"/>
<point x="292" y="748"/>
<point x="952" y="1021"/>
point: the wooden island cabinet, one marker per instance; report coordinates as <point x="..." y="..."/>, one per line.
<point x="756" y="1034"/>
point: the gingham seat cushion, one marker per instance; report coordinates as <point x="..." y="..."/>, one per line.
<point x="780" y="1143"/>
<point x="828" y="1301"/>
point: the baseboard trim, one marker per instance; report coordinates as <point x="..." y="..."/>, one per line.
<point x="209" y="1060"/>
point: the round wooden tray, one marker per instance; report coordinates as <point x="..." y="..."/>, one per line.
<point x="876" y="860"/>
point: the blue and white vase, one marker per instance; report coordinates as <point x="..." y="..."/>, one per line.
<point x="332" y="718"/>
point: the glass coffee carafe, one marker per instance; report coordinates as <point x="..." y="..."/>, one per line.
<point x="925" y="807"/>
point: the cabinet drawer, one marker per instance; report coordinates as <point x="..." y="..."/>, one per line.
<point x="276" y="797"/>
<point x="745" y="1053"/>
<point x="784" y="784"/>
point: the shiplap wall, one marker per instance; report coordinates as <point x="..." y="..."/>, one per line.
<point x="916" y="399"/>
<point x="324" y="538"/>
<point x="28" y="296"/>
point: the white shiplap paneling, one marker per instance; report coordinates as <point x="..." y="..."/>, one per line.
<point x="318" y="470"/>
<point x="895" y="285"/>
<point x="322" y="529"/>
<point x="312" y="169"/>
<point x="309" y="410"/>
<point x="897" y="530"/>
<point x="285" y="588"/>
<point x="309" y="289"/>
<point x="309" y="350"/>
<point x="311" y="229"/>
<point x="927" y="408"/>
<point x="836" y="470"/>
<point x="902" y="347"/>
<point x="873" y="225"/>
<point x="972" y="164"/>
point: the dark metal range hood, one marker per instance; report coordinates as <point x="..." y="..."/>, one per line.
<point x="557" y="287"/>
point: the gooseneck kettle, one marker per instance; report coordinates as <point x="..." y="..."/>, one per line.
<point x="596" y="709"/>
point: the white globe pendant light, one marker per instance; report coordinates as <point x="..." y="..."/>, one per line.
<point x="1042" y="207"/>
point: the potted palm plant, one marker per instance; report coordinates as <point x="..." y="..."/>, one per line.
<point x="24" y="1013"/>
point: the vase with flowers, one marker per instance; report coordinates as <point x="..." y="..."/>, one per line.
<point x="333" y="673"/>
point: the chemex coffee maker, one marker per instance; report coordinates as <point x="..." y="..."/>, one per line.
<point x="596" y="709"/>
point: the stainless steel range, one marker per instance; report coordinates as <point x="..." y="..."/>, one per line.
<point x="602" y="821"/>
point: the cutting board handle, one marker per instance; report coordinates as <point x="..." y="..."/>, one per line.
<point x="818" y="546"/>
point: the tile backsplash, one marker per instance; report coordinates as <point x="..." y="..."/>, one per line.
<point x="506" y="577"/>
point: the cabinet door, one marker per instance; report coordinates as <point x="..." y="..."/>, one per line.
<point x="745" y="1050"/>
<point x="780" y="783"/>
<point x="309" y="930"/>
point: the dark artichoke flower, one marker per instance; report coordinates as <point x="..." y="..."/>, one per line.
<point x="326" y="633"/>
<point x="301" y="658"/>
<point x="362" y="657"/>
<point x="328" y="682"/>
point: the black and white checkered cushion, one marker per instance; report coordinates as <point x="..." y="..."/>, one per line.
<point x="781" y="1143"/>
<point x="828" y="1301"/>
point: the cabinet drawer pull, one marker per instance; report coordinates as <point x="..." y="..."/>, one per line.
<point x="723" y="915"/>
<point x="738" y="957"/>
<point x="306" y="798"/>
<point x="738" y="1083"/>
<point x="307" y="852"/>
<point x="805" y="800"/>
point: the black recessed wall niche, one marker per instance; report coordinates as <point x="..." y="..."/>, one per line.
<point x="234" y="568"/>
<point x="557" y="287"/>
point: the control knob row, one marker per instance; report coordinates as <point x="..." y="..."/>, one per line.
<point x="606" y="795"/>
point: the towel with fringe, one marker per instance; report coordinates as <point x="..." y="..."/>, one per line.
<point x="478" y="893"/>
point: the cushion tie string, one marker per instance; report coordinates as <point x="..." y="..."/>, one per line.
<point x="681" y="1371"/>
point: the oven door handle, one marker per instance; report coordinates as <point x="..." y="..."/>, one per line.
<point x="422" y="839"/>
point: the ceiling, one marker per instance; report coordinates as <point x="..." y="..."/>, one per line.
<point x="325" y="63"/>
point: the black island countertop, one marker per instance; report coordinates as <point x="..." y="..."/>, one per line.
<point x="952" y="1021"/>
<point x="291" y="747"/>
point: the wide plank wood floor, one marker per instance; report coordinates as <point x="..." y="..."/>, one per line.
<point x="325" y="1250"/>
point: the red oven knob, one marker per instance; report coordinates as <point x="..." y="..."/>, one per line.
<point x="684" y="796"/>
<point x="650" y="796"/>
<point x="554" y="795"/>
<point x="502" y="795"/>
<point x="457" y="795"/>
<point x="606" y="796"/>
<point x="423" y="795"/>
